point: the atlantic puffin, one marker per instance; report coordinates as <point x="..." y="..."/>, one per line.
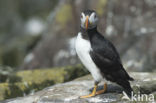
<point x="99" y="55"/>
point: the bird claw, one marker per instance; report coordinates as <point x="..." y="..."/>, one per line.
<point x="87" y="96"/>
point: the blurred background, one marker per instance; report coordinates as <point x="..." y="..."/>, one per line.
<point x="40" y="34"/>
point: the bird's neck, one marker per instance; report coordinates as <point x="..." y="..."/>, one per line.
<point x="87" y="33"/>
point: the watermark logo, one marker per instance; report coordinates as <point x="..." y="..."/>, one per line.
<point x="139" y="97"/>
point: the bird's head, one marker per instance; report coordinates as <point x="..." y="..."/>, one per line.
<point x="89" y="19"/>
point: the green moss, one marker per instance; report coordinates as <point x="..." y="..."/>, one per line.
<point x="12" y="90"/>
<point x="74" y="72"/>
<point x="40" y="75"/>
<point x="64" y="15"/>
<point x="34" y="80"/>
<point x="100" y="8"/>
<point x="3" y="87"/>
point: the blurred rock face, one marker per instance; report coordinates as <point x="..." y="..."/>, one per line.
<point x="129" y="24"/>
<point x="21" y="24"/>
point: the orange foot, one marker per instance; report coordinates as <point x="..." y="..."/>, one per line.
<point x="94" y="92"/>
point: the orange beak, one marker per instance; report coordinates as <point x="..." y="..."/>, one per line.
<point x="86" y="22"/>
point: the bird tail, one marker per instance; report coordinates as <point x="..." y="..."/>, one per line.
<point x="126" y="86"/>
<point x="131" y="79"/>
<point x="128" y="77"/>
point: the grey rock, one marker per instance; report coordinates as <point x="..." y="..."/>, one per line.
<point x="127" y="23"/>
<point x="70" y="92"/>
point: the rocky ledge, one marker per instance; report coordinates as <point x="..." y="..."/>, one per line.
<point x="69" y="92"/>
<point x="26" y="82"/>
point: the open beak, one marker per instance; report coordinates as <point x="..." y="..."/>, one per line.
<point x="86" y="22"/>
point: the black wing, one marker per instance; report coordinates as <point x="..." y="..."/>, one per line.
<point x="107" y="59"/>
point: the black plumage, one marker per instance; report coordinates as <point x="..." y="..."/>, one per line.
<point x="106" y="58"/>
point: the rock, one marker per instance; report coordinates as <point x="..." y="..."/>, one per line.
<point x="69" y="92"/>
<point x="13" y="53"/>
<point x="127" y="23"/>
<point x="61" y="30"/>
<point x="16" y="33"/>
<point x="29" y="81"/>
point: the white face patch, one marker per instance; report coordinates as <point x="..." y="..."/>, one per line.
<point x="92" y="20"/>
<point x="83" y="18"/>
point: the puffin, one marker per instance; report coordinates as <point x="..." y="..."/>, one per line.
<point x="99" y="56"/>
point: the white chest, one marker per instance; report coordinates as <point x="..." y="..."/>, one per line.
<point x="83" y="47"/>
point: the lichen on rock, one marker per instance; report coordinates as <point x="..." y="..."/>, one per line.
<point x="70" y="92"/>
<point x="33" y="80"/>
<point x="101" y="4"/>
<point x="64" y="15"/>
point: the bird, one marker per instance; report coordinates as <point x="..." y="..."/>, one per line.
<point x="99" y="55"/>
